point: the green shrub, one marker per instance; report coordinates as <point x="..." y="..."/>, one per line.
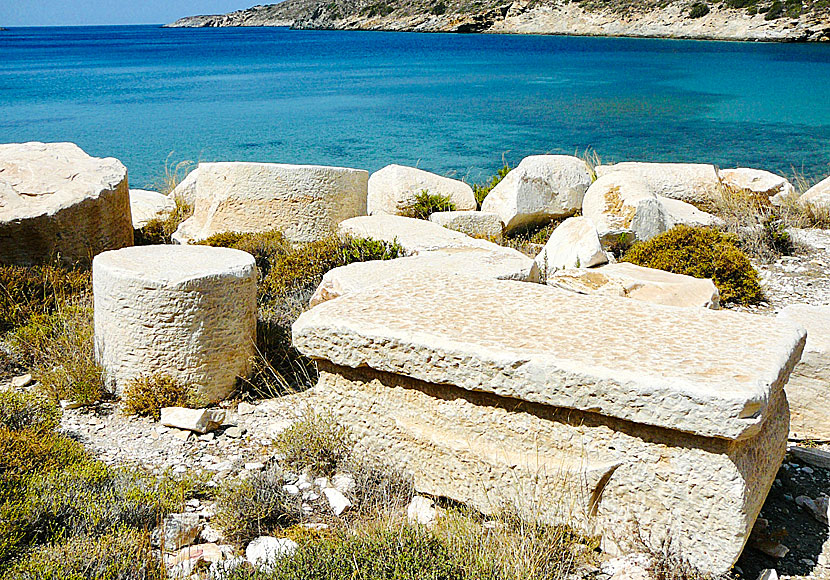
<point x="698" y="10"/>
<point x="147" y="395"/>
<point x="36" y="290"/>
<point x="28" y="452"/>
<point x="159" y="231"/>
<point x="425" y="203"/>
<point x="123" y="554"/>
<point x="315" y="442"/>
<point x="702" y="253"/>
<point x="776" y="10"/>
<point x="740" y="3"/>
<point x="438" y="9"/>
<point x="28" y="410"/>
<point x="481" y="190"/>
<point x="256" y="506"/>
<point x="793" y="8"/>
<point x="61" y="349"/>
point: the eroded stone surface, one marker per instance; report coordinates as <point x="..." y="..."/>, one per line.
<point x="55" y="200"/>
<point x="503" y="265"/>
<point x="696" y="370"/>
<point x="540" y="188"/>
<point x="765" y="186"/>
<point x="473" y="223"/>
<point x="556" y="465"/>
<point x="573" y="244"/>
<point x="414" y="235"/>
<point x="186" y="189"/>
<point x="149" y="205"/>
<point x="392" y="190"/>
<point x="695" y="183"/>
<point x="809" y="387"/>
<point x="818" y="196"/>
<point x="304" y="202"/>
<point x="624" y="208"/>
<point x="646" y="284"/>
<point x="185" y="311"/>
<point x="685" y="214"/>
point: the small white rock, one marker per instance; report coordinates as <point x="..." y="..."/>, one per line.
<point x="22" y="381"/>
<point x="254" y="466"/>
<point x="344" y="483"/>
<point x="264" y="551"/>
<point x="421" y="510"/>
<point x="337" y="501"/>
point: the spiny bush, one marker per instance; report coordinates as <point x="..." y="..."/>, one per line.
<point x="256" y="506"/>
<point x="315" y="442"/>
<point x="122" y="554"/>
<point x="698" y="10"/>
<point x="28" y="410"/>
<point x="147" y="395"/>
<point x="160" y="231"/>
<point x="481" y="190"/>
<point x="701" y="253"/>
<point x="60" y="347"/>
<point x="425" y="203"/>
<point x="36" y="290"/>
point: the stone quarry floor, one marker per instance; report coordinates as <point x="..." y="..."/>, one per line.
<point x="243" y="443"/>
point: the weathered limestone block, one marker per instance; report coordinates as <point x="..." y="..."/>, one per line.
<point x="55" y="200"/>
<point x="185" y="311"/>
<point x="763" y="185"/>
<point x="304" y="202"/>
<point x="392" y="190"/>
<point x="608" y="414"/>
<point x="146" y="206"/>
<point x="818" y="196"/>
<point x="478" y="224"/>
<point x="186" y="189"/>
<point x="414" y="235"/>
<point x="507" y="264"/>
<point x="623" y="208"/>
<point x="681" y="213"/>
<point x="540" y="188"/>
<point x="573" y="244"/>
<point x="809" y="387"/>
<point x="647" y="284"/>
<point x="561" y="466"/>
<point x="695" y="183"/>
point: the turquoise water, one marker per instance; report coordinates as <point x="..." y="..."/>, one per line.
<point x="447" y="103"/>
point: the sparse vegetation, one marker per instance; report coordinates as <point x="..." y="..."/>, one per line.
<point x="29" y="411"/>
<point x="698" y="10"/>
<point x="36" y="290"/>
<point x="315" y="442"/>
<point x="147" y="395"/>
<point x="159" y="231"/>
<point x="438" y="9"/>
<point x="702" y="253"/>
<point x="425" y="203"/>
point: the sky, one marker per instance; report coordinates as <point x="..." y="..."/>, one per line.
<point x="90" y="12"/>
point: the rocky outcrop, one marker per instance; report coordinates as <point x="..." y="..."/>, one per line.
<point x="623" y="417"/>
<point x="393" y="190"/>
<point x="539" y="189"/>
<point x="187" y="312"/>
<point x="57" y="201"/>
<point x="304" y="202"/>
<point x="651" y="20"/>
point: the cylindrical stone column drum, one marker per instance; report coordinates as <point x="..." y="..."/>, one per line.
<point x="188" y="312"/>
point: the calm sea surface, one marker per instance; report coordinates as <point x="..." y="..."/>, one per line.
<point x="447" y="103"/>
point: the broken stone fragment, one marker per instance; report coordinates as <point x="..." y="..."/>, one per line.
<point x="196" y="420"/>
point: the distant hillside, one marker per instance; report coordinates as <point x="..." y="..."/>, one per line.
<point x="772" y="20"/>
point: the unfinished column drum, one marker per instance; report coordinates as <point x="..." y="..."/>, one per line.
<point x="188" y="312"/>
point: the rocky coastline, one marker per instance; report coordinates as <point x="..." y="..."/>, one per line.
<point x="753" y="21"/>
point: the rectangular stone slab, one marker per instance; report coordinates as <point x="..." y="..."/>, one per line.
<point x="705" y="372"/>
<point x="632" y="483"/>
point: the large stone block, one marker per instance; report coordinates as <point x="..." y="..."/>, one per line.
<point x="817" y="197"/>
<point x="147" y="206"/>
<point x="540" y="188"/>
<point x="808" y="389"/>
<point x="625" y="417"/>
<point x="573" y="244"/>
<point x="473" y="223"/>
<point x="764" y="186"/>
<point x="707" y="372"/>
<point x="57" y="201"/>
<point x="188" y="312"/>
<point x="561" y="466"/>
<point x="506" y="264"/>
<point x="647" y="284"/>
<point x="392" y="190"/>
<point x="695" y="183"/>
<point x="304" y="202"/>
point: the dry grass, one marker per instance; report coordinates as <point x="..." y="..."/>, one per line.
<point x="146" y="396"/>
<point x="173" y="175"/>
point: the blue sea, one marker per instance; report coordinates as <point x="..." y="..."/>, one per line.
<point x="449" y="103"/>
